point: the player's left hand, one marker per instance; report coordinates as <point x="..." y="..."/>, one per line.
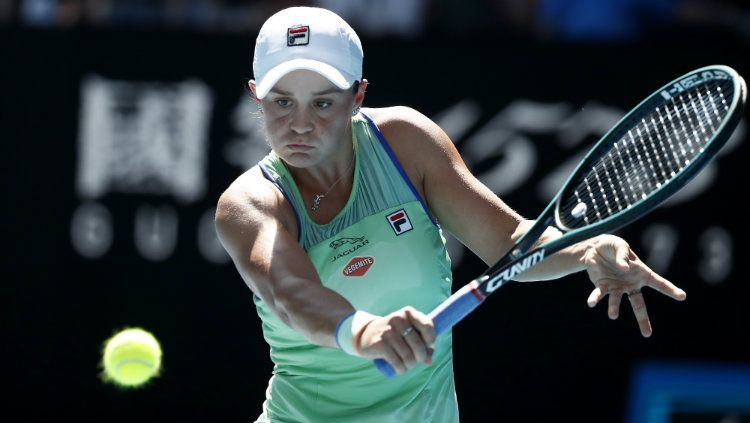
<point x="615" y="269"/>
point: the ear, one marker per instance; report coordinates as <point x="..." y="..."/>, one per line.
<point x="251" y="84"/>
<point x="360" y="96"/>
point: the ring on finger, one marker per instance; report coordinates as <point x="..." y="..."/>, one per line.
<point x="407" y="331"/>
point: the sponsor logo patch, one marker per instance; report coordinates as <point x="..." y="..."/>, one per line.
<point x="345" y="247"/>
<point x="343" y="241"/>
<point x="298" y="36"/>
<point x="358" y="266"/>
<point x="399" y="222"/>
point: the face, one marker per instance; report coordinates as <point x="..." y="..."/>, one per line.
<point x="307" y="118"/>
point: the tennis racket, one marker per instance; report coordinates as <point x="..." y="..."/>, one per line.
<point x="647" y="156"/>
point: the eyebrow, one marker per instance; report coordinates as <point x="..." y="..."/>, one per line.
<point x="324" y="92"/>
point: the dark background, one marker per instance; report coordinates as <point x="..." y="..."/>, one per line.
<point x="534" y="352"/>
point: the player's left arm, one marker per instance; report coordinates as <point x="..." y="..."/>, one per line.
<point x="489" y="227"/>
<point x="462" y="204"/>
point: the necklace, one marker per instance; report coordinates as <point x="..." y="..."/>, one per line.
<point x="318" y="197"/>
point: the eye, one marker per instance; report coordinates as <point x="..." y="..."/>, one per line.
<point x="283" y="102"/>
<point x="323" y="104"/>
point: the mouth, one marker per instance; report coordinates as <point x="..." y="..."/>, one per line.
<point x="299" y="147"/>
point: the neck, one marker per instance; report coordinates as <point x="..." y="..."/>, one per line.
<point x="326" y="190"/>
<point x="336" y="169"/>
<point x="338" y="190"/>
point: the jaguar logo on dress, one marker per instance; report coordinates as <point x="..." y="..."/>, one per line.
<point x="343" y="241"/>
<point x="400" y="222"/>
<point x="347" y="246"/>
<point x="358" y="266"/>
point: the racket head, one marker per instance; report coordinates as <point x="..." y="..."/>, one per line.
<point x="652" y="152"/>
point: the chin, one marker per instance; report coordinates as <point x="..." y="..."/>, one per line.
<point x="300" y="160"/>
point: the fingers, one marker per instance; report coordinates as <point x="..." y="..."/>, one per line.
<point x="422" y="324"/>
<point x="422" y="338"/>
<point x="664" y="286"/>
<point x="636" y="302"/>
<point x="391" y="345"/>
<point x="596" y="295"/>
<point x="418" y="347"/>
<point x="618" y="270"/>
<point x="627" y="257"/>
<point x="403" y="338"/>
<point x="641" y="314"/>
<point x="406" y="354"/>
<point x="395" y="360"/>
<point x="613" y="311"/>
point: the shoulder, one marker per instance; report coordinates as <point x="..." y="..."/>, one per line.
<point x="422" y="148"/>
<point x="402" y="123"/>
<point x="246" y="197"/>
<point x="417" y="141"/>
<point x="249" y="202"/>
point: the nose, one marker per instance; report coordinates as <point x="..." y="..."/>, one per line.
<point x="301" y="121"/>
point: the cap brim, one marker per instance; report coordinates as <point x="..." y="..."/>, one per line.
<point x="272" y="77"/>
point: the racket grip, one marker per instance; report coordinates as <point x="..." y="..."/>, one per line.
<point x="445" y="316"/>
<point x="456" y="307"/>
<point x="385" y="368"/>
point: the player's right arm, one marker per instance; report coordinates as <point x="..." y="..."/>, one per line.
<point x="256" y="226"/>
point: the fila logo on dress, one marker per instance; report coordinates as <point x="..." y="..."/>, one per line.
<point x="400" y="222"/>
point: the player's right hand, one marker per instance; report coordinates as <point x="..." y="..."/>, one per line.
<point x="403" y="338"/>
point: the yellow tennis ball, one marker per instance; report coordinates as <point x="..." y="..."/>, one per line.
<point x="131" y="358"/>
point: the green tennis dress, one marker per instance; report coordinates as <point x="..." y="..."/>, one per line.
<point x="382" y="252"/>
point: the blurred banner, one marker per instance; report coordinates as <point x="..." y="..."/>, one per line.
<point x="117" y="145"/>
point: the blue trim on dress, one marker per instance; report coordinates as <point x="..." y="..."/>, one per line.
<point x="268" y="176"/>
<point x="400" y="169"/>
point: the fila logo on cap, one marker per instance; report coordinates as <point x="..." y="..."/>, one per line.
<point x="399" y="222"/>
<point x="298" y="36"/>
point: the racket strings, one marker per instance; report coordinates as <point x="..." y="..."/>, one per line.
<point x="652" y="153"/>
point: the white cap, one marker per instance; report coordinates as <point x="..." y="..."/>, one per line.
<point x="306" y="38"/>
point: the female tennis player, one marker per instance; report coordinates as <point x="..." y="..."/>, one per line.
<point x="337" y="232"/>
